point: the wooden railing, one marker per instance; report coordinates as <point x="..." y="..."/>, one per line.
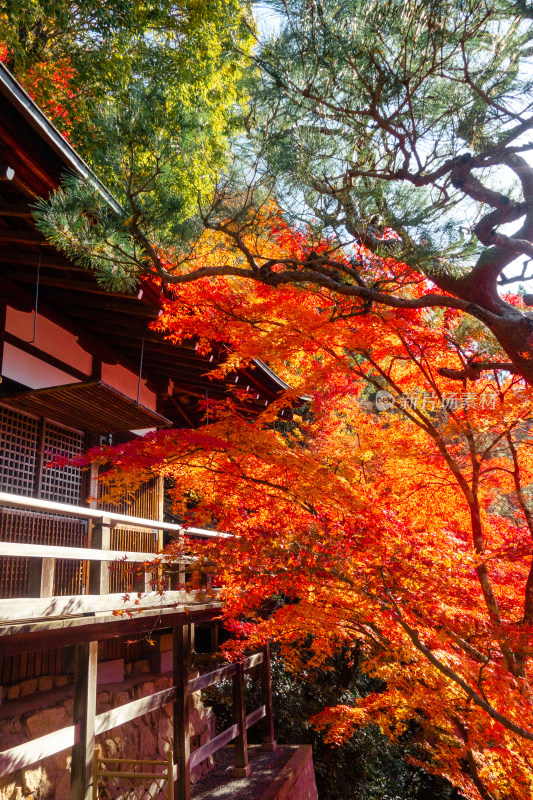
<point x="45" y="615"/>
<point x="242" y="721"/>
<point x="126" y="776"/>
<point x="99" y="556"/>
<point x="35" y="504"/>
<point x="86" y="724"/>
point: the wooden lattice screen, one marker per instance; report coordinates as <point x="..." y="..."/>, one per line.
<point x="18" y="451"/>
<point x="26" y="445"/>
<point x="144" y="502"/>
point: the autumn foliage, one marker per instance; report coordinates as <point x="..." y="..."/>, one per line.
<point x="51" y="86"/>
<point x="400" y="523"/>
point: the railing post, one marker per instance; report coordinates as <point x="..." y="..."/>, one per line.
<point x="214" y="636"/>
<point x="268" y="740"/>
<point x="181" y="707"/>
<point x="85" y="666"/>
<point x="99" y="570"/>
<point x="182" y="576"/>
<point x="41" y="577"/>
<point x="170" y="776"/>
<point x="242" y="768"/>
<point x="153" y="575"/>
<point x="191" y="646"/>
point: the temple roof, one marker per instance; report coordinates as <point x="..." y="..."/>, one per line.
<point x="112" y="325"/>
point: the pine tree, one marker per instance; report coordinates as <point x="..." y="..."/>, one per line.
<point x="392" y="125"/>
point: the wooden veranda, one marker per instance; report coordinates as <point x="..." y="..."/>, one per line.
<point x="37" y="622"/>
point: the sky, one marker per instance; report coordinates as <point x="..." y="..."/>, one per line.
<point x="269" y="22"/>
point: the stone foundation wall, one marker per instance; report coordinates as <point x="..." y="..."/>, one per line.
<point x="147" y="737"/>
<point x="296" y="780"/>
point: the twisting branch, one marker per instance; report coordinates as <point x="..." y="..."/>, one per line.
<point x="473" y="370"/>
<point x="476" y="698"/>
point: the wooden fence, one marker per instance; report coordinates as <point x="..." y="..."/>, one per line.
<point x="27" y="623"/>
<point x="122" y="781"/>
<point x="87" y="724"/>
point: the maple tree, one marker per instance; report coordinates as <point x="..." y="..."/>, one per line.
<point x="407" y="531"/>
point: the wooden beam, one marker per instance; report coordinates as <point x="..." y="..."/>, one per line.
<point x="252" y="661"/>
<point x="24" y="755"/>
<point x="58" y="606"/>
<point x="15" y="210"/>
<point x="66" y="283"/>
<point x="3" y="309"/>
<point x="23" y="237"/>
<point x="117" y="304"/>
<point x="84" y="718"/>
<point x="24" y="302"/>
<point x="181" y="711"/>
<point x="203" y="681"/>
<point x="242" y="767"/>
<point x="65" y="509"/>
<point x="255" y="716"/>
<point x="224" y="738"/>
<point x="27" y="637"/>
<point x="137" y="708"/>
<point x="42" y="355"/>
<point x="31" y="258"/>
<point x="99" y="571"/>
<point x="214" y="745"/>
<point x="36" y="551"/>
<point x="268" y="739"/>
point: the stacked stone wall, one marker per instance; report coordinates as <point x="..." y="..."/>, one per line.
<point x="147" y="737"/>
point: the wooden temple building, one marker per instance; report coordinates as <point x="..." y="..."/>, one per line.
<point x="79" y="366"/>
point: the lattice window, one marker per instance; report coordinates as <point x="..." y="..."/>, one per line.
<point x="18" y="451"/>
<point x="20" y="435"/>
<point x="62" y="485"/>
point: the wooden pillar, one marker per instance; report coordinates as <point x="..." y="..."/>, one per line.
<point x="41" y="577"/>
<point x="2" y="331"/>
<point x="170" y="775"/>
<point x="268" y="740"/>
<point x="214" y="636"/>
<point x="160" y="488"/>
<point x="99" y="570"/>
<point x="182" y="576"/>
<point x="242" y="768"/>
<point x="192" y="647"/>
<point x="182" y="745"/>
<point x="90" y="490"/>
<point x="85" y="666"/>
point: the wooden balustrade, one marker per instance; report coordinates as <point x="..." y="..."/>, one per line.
<point x="83" y="512"/>
<point x="99" y="556"/>
<point x="87" y="724"/>
<point x="44" y="616"/>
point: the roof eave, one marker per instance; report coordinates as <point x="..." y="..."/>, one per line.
<point x="50" y="134"/>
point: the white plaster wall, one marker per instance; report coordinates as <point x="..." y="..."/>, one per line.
<point x="31" y="371"/>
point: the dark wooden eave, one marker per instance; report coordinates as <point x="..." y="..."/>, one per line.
<point x="92" y="405"/>
<point x="113" y="327"/>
